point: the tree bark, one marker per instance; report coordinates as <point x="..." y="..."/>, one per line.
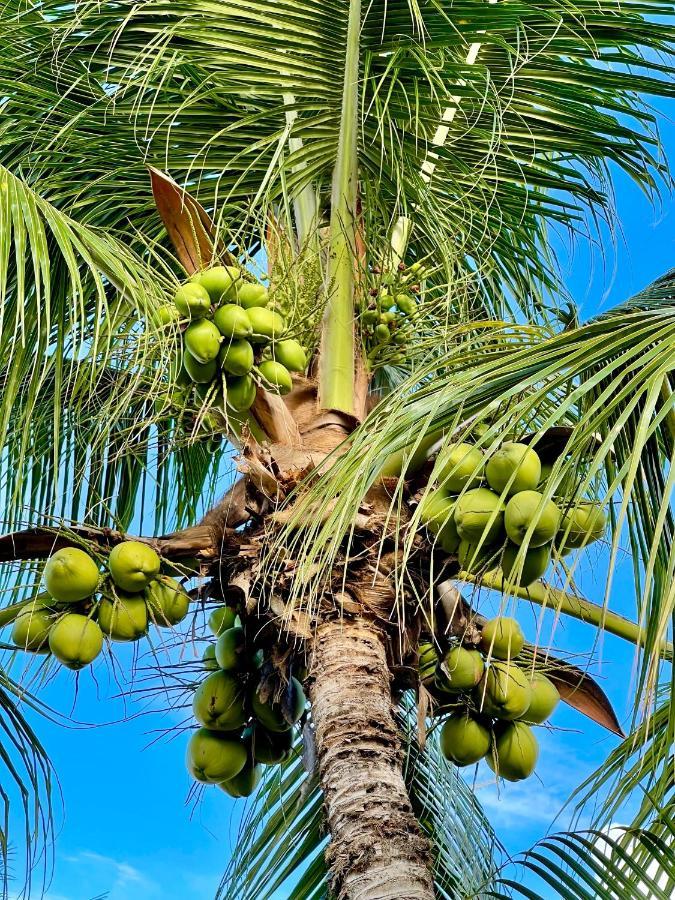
<point x="377" y="851"/>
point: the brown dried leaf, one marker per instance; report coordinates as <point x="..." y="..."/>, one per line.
<point x="580" y="691"/>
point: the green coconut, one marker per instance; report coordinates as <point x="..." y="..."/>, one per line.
<point x="291" y="354"/>
<point x="125" y="618"/>
<point x="218" y="702"/>
<point x="581" y="525"/>
<point x="545" y="698"/>
<point x="71" y="575"/>
<point x="459" y="466"/>
<point x="209" y="658"/>
<point x="221" y="619"/>
<point x="266" y="325"/>
<point x="529" y="567"/>
<point x="192" y="301"/>
<point x="474" y="558"/>
<point x="504" y="691"/>
<point x="232" y="321"/>
<point x="241" y="393"/>
<point x="427" y="662"/>
<point x="270" y="714"/>
<point x="250" y="295"/>
<point x="31" y="628"/>
<point x="275" y="377"/>
<point x="200" y="373"/>
<point x="236" y="357"/>
<point x="464" y="740"/>
<point x="461" y="670"/>
<point x="245" y="782"/>
<point x="75" y="640"/>
<point x="382" y="334"/>
<point x="133" y="565"/>
<point x="436" y="510"/>
<point x="213" y="757"/>
<point x="526" y="510"/>
<point x="202" y="341"/>
<point x="168" y="601"/>
<point x="230" y="650"/>
<point x="448" y="537"/>
<point x="515" y="752"/>
<point x="479" y="515"/>
<point x="166" y="315"/>
<point x="220" y="282"/>
<point x="514" y="465"/>
<point x="406" y="304"/>
<point x="502" y="637"/>
<point x="271" y="747"/>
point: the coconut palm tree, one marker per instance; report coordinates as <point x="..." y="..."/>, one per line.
<point x="396" y="170"/>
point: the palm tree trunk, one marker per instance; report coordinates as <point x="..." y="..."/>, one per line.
<point x="377" y="851"/>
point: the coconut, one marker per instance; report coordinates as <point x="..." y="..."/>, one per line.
<point x="427" y="662"/>
<point x="459" y="466"/>
<point x="31" y="628"/>
<point x="271" y="715"/>
<point x="291" y="354"/>
<point x="464" y="740"/>
<point x="218" y="702"/>
<point x="213" y="757"/>
<point x="529" y="567"/>
<point x="241" y="393"/>
<point x="436" y="510"/>
<point x="200" y="373"/>
<point x="448" y="537"/>
<point x="479" y="515"/>
<point x="513" y="468"/>
<point x="236" y="357"/>
<point x="168" y="601"/>
<point x="502" y="638"/>
<point x="192" y="301"/>
<point x="202" y="341"/>
<point x="266" y="325"/>
<point x="232" y="321"/>
<point x="461" y="670"/>
<point x="166" y="315"/>
<point x="526" y="510"/>
<point x="209" y="658"/>
<point x="220" y="282"/>
<point x="271" y="747"/>
<point x="515" y="752"/>
<point x="230" y="649"/>
<point x="244" y="783"/>
<point x="133" y="565"/>
<point x="504" y="691"/>
<point x="275" y="377"/>
<point x="221" y="619"/>
<point x="250" y="295"/>
<point x="581" y="525"/>
<point x="382" y="334"/>
<point x="125" y="618"/>
<point x="406" y="304"/>
<point x="75" y="640"/>
<point x="71" y="575"/>
<point x="545" y="698"/>
<point x="474" y="558"/>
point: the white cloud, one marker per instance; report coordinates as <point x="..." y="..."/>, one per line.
<point x="120" y="875"/>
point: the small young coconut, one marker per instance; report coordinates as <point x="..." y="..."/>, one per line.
<point x="192" y="301"/>
<point x="529" y="568"/>
<point x="515" y="751"/>
<point x="230" y="650"/>
<point x="527" y="509"/>
<point x="236" y="357"/>
<point x="275" y="377"/>
<point x="461" y="670"/>
<point x="502" y="637"/>
<point x="504" y="692"/>
<point x="218" y="702"/>
<point x="250" y="295"/>
<point x="241" y="393"/>
<point x="459" y="466"/>
<point x="232" y="321"/>
<point x="221" y="619"/>
<point x="290" y="354"/>
<point x="133" y="565"/>
<point x="266" y="325"/>
<point x="220" y="282"/>
<point x="200" y="373"/>
<point x="464" y="740"/>
<point x="75" y="640"/>
<point x="479" y="515"/>
<point x="515" y="465"/>
<point x="270" y="714"/>
<point x="168" y="601"/>
<point x="213" y="757"/>
<point x="545" y="698"/>
<point x="202" y="341"/>
<point x="31" y="628"/>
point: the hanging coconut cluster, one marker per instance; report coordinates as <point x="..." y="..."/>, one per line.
<point x="388" y="318"/>
<point x="243" y="724"/>
<point x="492" y="513"/>
<point x="493" y="701"/>
<point x="232" y="340"/>
<point x="82" y="605"/>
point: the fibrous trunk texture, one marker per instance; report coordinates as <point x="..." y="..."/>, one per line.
<point x="377" y="851"/>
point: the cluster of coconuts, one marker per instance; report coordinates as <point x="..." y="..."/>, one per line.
<point x="483" y="509"/>
<point x="495" y="701"/>
<point x="232" y="338"/>
<point x="240" y="732"/>
<point x="81" y="605"/>
<point x="388" y="317"/>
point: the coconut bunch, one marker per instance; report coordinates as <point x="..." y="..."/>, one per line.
<point x="492" y="513"/>
<point x="241" y="728"/>
<point x="232" y="339"/>
<point x="494" y="701"/>
<point x="387" y="319"/>
<point x="82" y="605"/>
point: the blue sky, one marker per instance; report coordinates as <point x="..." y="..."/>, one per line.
<point x="125" y="827"/>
